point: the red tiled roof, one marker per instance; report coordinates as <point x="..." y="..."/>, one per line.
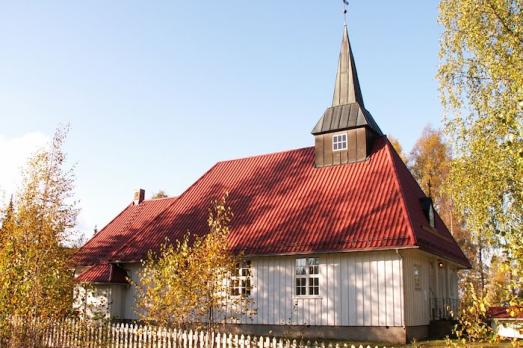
<point x="282" y="204"/>
<point x="103" y="273"/>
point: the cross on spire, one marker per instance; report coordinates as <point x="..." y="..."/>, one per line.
<point x="345" y="6"/>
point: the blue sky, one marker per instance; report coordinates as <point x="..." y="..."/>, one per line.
<point x="158" y="91"/>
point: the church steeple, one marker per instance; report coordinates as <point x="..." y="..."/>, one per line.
<point x="347" y="87"/>
<point x="346" y="131"/>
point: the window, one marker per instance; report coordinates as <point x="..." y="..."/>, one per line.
<point x="428" y="209"/>
<point x="417" y="277"/>
<point x="339" y="142"/>
<point x="241" y="280"/>
<point x="307" y="276"/>
<point x="431" y="215"/>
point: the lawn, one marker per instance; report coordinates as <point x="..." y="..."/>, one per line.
<point x="420" y="344"/>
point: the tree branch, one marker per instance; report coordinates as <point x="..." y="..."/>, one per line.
<point x="503" y="23"/>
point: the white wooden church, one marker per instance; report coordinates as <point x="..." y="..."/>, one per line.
<point x="341" y="240"/>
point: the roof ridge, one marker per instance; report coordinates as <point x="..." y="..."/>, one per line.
<point x="440" y="232"/>
<point x="265" y="154"/>
<point x="156" y="217"/>
<point x="159" y="199"/>
<point x="391" y="152"/>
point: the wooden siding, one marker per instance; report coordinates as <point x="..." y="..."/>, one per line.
<point x="118" y="301"/>
<point x="358" y="147"/>
<point x="129" y="310"/>
<point x="436" y="283"/>
<point x="93" y="302"/>
<point x="356" y="289"/>
<point x="417" y="301"/>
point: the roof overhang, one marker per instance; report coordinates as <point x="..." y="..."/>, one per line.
<point x="343" y="117"/>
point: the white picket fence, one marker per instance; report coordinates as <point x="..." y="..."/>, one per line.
<point x="72" y="333"/>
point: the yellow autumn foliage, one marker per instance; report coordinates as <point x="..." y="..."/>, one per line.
<point x="481" y="83"/>
<point x="36" y="284"/>
<point x="187" y="284"/>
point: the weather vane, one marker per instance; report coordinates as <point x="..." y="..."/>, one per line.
<point x="345" y="6"/>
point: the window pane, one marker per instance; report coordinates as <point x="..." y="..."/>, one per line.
<point x="300" y="266"/>
<point x="313" y="261"/>
<point x="300" y="286"/>
<point x="234" y="287"/>
<point x="236" y="270"/>
<point x="339" y="142"/>
<point x="246" y="287"/>
<point x="314" y="288"/>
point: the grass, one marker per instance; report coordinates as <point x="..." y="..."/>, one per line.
<point x="420" y="344"/>
<point x="443" y="343"/>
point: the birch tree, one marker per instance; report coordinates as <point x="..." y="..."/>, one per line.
<point x="35" y="280"/>
<point x="189" y="283"/>
<point x="481" y="85"/>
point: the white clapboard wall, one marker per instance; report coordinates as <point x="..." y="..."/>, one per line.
<point x="356" y="289"/>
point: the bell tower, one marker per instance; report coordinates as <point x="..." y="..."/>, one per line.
<point x="346" y="131"/>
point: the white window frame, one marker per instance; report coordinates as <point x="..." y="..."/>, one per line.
<point x="307" y="274"/>
<point x="339" y="142"/>
<point x="241" y="283"/>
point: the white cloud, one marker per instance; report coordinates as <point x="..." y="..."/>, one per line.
<point x="14" y="153"/>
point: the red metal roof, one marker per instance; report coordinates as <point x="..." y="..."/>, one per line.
<point x="504" y="312"/>
<point x="282" y="204"/>
<point x="103" y="273"/>
<point x="132" y="219"/>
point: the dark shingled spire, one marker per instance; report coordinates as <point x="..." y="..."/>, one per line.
<point x="347" y="110"/>
<point x="347" y="88"/>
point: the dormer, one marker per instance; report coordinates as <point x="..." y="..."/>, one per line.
<point x="428" y="209"/>
<point x="346" y="131"/>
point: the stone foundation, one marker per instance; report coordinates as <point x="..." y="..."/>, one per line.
<point x="386" y="334"/>
<point x="417" y="332"/>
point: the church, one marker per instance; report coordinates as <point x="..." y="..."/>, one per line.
<point x="341" y="240"/>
